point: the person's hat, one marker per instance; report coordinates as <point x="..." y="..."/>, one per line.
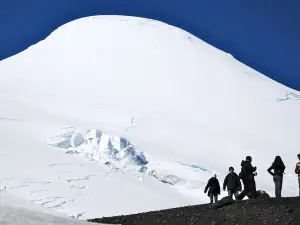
<point x="231" y="168"/>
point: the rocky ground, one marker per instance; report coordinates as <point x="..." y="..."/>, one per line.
<point x="284" y="211"/>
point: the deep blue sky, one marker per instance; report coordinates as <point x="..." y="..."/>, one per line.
<point x="264" y="34"/>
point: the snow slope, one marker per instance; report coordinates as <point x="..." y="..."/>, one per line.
<point x="114" y="115"/>
<point x="18" y="211"/>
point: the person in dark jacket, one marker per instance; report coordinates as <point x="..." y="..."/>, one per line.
<point x="297" y="171"/>
<point x="278" y="167"/>
<point x="233" y="183"/>
<point x="247" y="176"/>
<point x="214" y="188"/>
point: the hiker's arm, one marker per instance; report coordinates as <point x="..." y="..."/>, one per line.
<point x="218" y="187"/>
<point x="225" y="182"/>
<point x="207" y="186"/>
<point x="239" y="185"/>
<point x="270" y="172"/>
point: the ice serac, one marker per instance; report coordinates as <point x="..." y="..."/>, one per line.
<point x="117" y="91"/>
<point x="100" y="146"/>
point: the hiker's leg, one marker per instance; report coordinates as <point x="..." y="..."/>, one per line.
<point x="254" y="189"/>
<point x="250" y="189"/>
<point x="276" y="183"/>
<point x="252" y="193"/>
<point x="216" y="198"/>
<point x="242" y="195"/>
<point x="236" y="194"/>
<point x="299" y="184"/>
<point x="280" y="186"/>
<point x="211" y="197"/>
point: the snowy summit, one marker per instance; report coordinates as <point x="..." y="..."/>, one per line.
<point x="114" y="115"/>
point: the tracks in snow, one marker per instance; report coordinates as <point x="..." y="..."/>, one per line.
<point x="53" y="202"/>
<point x="289" y="96"/>
<point x="43" y="192"/>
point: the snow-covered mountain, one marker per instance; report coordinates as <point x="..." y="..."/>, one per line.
<point x="114" y="115"/>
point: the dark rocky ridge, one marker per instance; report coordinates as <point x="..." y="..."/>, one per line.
<point x="284" y="211"/>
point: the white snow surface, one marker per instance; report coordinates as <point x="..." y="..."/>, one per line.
<point x="20" y="212"/>
<point x="115" y="115"/>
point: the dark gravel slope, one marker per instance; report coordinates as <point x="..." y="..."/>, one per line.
<point x="284" y="211"/>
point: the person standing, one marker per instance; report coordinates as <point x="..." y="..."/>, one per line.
<point x="278" y="167"/>
<point x="297" y="171"/>
<point x="247" y="176"/>
<point x="233" y="183"/>
<point x="214" y="188"/>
